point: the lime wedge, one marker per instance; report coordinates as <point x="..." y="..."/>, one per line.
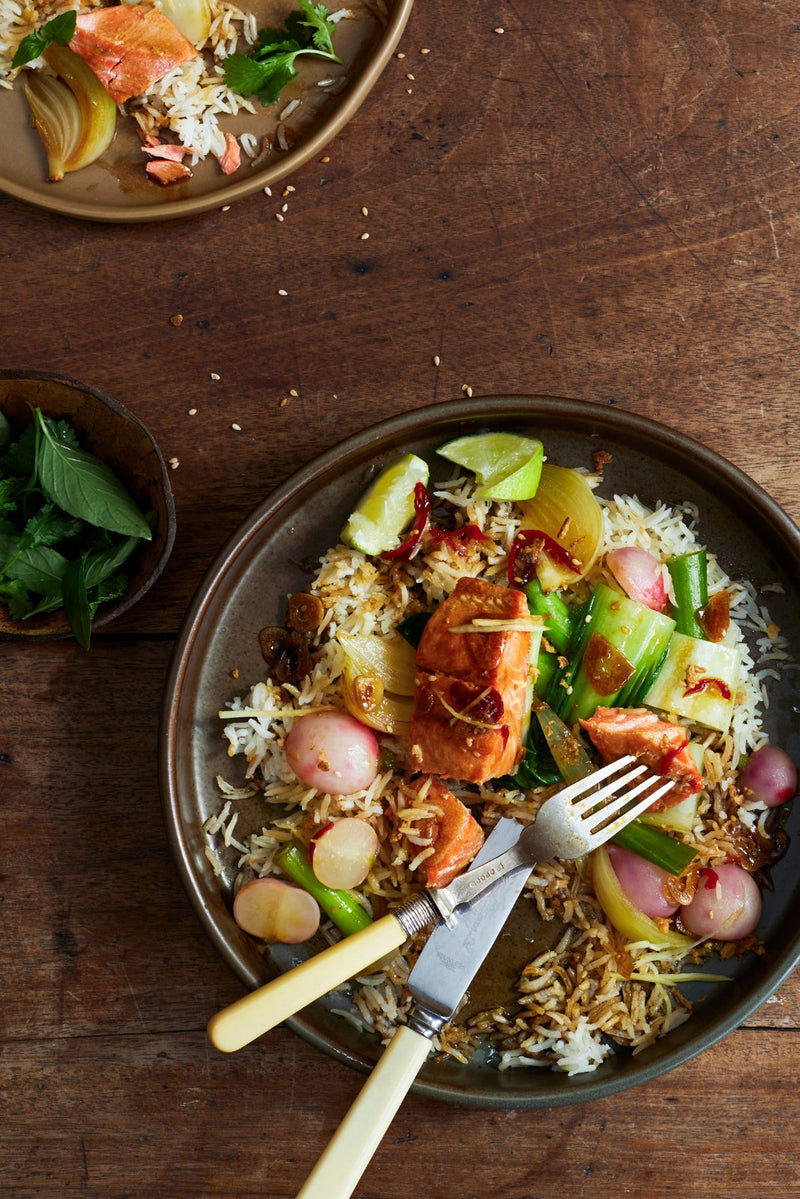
<point x="386" y="508"/>
<point x="506" y="465"/>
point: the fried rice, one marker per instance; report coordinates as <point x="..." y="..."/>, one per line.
<point x="588" y="991"/>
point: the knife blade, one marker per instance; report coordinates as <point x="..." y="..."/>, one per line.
<point x="442" y="974"/>
<point x="260" y="1010"/>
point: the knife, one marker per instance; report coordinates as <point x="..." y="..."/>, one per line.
<point x="260" y="1010"/>
<point x="443" y="972"/>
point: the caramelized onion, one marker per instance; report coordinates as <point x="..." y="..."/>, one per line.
<point x="285" y="653"/>
<point x="72" y="113"/>
<point x="565" y="509"/>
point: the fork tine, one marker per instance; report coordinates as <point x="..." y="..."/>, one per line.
<point x="624" y="813"/>
<point x="589" y="782"/>
<point x="584" y="806"/>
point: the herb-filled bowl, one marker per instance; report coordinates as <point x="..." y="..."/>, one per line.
<point x="88" y="519"/>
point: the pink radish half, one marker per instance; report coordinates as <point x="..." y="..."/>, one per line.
<point x="342" y="852"/>
<point x="272" y="910"/>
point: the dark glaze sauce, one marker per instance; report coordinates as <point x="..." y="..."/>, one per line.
<point x="524" y="936"/>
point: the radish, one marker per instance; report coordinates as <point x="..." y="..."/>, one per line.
<point x="342" y="853"/>
<point x="333" y="752"/>
<point x="272" y="910"/>
<point x="642" y="882"/>
<point x="640" y="576"/>
<point x="770" y="777"/>
<point x="726" y="905"/>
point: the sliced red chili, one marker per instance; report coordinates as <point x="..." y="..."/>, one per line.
<point x="703" y="685"/>
<point x="526" y="549"/>
<point x="422" y="508"/>
<point x="710" y="878"/>
<point x="456" y="539"/>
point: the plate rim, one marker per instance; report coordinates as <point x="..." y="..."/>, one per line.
<point x="579" y="1088"/>
<point x="274" y="173"/>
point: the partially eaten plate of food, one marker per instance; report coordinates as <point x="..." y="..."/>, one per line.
<point x="142" y="111"/>
<point x="436" y="625"/>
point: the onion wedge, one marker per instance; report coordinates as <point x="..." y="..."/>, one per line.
<point x="565" y="509"/>
<point x="72" y="112"/>
<point x="192" y="17"/>
<point x="378" y="680"/>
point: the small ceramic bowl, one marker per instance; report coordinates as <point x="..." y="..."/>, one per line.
<point x="122" y="441"/>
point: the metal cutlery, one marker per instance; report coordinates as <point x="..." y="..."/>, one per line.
<point x="570" y="823"/>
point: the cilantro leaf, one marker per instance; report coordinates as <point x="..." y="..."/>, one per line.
<point x="272" y="64"/>
<point x="49" y="526"/>
<point x="9" y="493"/>
<point x="274" y="40"/>
<point x="317" y="21"/>
<point x="14" y="594"/>
<point x="59" y="30"/>
<point x="20" y="457"/>
<point x="110" y="589"/>
<point x="247" y="76"/>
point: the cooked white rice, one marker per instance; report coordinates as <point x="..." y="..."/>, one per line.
<point x="573" y="1002"/>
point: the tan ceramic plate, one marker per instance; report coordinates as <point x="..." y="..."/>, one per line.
<point x="276" y="551"/>
<point x="115" y="188"/>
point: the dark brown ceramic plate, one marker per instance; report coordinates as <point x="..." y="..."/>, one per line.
<point x="115" y="188"/>
<point x="121" y="440"/>
<point x="274" y="553"/>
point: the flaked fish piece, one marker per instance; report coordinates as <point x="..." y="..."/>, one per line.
<point x="167" y="171"/>
<point x="231" y="157"/>
<point x="130" y="47"/>
<point x="661" y="746"/>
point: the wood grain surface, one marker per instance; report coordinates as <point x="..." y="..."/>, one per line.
<point x="603" y="202"/>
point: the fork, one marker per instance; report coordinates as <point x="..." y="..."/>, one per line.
<point x="569" y="824"/>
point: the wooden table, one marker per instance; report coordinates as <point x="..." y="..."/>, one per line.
<point x="597" y="200"/>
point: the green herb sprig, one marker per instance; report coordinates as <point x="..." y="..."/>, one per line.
<point x="58" y="31"/>
<point x="272" y="64"/>
<point x="67" y="525"/>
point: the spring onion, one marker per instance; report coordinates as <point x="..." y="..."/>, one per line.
<point x="656" y="847"/>
<point x="341" y="906"/>
<point x="559" y="620"/>
<point x="689" y="574"/>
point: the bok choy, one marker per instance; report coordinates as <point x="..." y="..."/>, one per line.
<point x="616" y="653"/>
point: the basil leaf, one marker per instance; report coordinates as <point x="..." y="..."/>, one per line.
<point x="60" y="29"/>
<point x="48" y="603"/>
<point x="101" y="565"/>
<point x="76" y="603"/>
<point x="40" y="568"/>
<point x="84" y="486"/>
